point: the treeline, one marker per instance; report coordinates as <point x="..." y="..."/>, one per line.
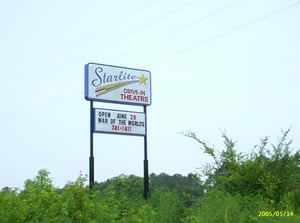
<point x="263" y="186"/>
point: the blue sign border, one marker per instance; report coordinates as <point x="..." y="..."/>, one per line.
<point x="86" y="86"/>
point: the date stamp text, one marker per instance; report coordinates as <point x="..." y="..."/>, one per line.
<point x="275" y="214"/>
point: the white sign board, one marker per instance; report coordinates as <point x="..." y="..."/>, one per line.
<point x="119" y="122"/>
<point x="107" y="83"/>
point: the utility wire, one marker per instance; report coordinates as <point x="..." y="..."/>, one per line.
<point x="89" y="37"/>
<point x="179" y="29"/>
<point x="225" y="33"/>
<point x="104" y="45"/>
<point x="135" y="30"/>
<point x="215" y="37"/>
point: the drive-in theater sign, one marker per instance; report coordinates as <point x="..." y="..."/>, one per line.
<point x="121" y="85"/>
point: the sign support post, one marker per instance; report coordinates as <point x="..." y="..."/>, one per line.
<point x="91" y="175"/>
<point x="146" y="172"/>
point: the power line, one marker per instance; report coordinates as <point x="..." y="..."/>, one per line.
<point x="179" y="29"/>
<point x="90" y="36"/>
<point x="225" y="33"/>
<point x="215" y="37"/>
<point x="131" y="32"/>
<point x="135" y="30"/>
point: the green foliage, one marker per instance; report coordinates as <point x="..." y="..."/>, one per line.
<point x="11" y="209"/>
<point x="76" y="200"/>
<point x="120" y="200"/>
<point x="272" y="174"/>
<point x="239" y="189"/>
<point x="189" y="188"/>
<point x="167" y="206"/>
<point x="220" y="206"/>
<point x="40" y="200"/>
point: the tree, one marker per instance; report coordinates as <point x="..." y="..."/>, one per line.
<point x="11" y="208"/>
<point x="76" y="200"/>
<point x="273" y="174"/>
<point x="41" y="201"/>
<point x="189" y="188"/>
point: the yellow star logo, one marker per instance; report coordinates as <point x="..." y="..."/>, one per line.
<point x="143" y="79"/>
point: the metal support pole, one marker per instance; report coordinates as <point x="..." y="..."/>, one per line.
<point x="146" y="171"/>
<point x="91" y="180"/>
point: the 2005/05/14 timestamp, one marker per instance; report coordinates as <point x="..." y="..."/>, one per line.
<point x="275" y="214"/>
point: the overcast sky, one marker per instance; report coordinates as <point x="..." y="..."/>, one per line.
<point x="215" y="65"/>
